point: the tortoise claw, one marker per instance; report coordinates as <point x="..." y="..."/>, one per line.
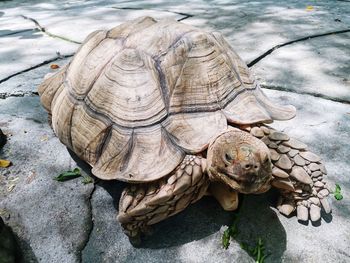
<point x="311" y="208"/>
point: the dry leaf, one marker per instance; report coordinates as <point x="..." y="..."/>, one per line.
<point x="10" y="187"/>
<point x="44" y="138"/>
<point x="4" y="163"/>
<point x="31" y="177"/>
<point x="309" y="8"/>
<point x="54" y="66"/>
<point x="13" y="180"/>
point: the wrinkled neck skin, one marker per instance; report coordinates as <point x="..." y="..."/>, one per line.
<point x="240" y="161"/>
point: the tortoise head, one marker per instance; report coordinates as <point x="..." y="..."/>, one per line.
<point x="241" y="161"/>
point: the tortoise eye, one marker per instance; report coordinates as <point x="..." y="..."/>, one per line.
<point x="228" y="157"/>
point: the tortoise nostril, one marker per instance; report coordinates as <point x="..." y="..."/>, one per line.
<point x="256" y="167"/>
<point x="247" y="166"/>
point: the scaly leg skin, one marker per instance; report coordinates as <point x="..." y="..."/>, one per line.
<point x="142" y="205"/>
<point x="298" y="174"/>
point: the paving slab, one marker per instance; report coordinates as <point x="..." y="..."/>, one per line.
<point x="30" y="49"/>
<point x="50" y="219"/>
<point x="254" y="27"/>
<point x="71" y="23"/>
<point x="316" y="66"/>
<point x="19" y="84"/>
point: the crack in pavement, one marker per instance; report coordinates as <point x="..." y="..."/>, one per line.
<point x="17" y="32"/>
<point x="37" y="66"/>
<point x="90" y="226"/>
<point x="5" y="95"/>
<point x="268" y="52"/>
<point x="43" y="29"/>
<point x="156" y="9"/>
<point x="318" y="95"/>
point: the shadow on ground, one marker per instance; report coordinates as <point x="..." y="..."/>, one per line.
<point x="206" y="217"/>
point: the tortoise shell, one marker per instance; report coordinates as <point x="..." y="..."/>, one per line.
<point x="136" y="99"/>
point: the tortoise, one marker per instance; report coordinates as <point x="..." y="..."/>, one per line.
<point x="174" y="111"/>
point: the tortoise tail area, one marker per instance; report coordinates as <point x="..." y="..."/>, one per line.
<point x="51" y="87"/>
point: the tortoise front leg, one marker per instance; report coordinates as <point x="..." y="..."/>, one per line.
<point x="225" y="195"/>
<point x="298" y="174"/>
<point x="142" y="205"/>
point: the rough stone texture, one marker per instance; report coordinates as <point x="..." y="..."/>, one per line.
<point x="317" y="66"/>
<point x="20" y="86"/>
<point x="53" y="220"/>
<point x="173" y="240"/>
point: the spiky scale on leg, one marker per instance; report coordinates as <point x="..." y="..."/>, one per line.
<point x="298" y="173"/>
<point x="142" y="205"/>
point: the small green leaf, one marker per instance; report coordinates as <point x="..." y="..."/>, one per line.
<point x="226" y="239"/>
<point x="87" y="179"/>
<point x="337" y="192"/>
<point x="230" y="232"/>
<point x="68" y="175"/>
<point x="337" y="188"/>
<point x="338" y="196"/>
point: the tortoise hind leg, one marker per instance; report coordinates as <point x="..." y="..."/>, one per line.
<point x="142" y="205"/>
<point x="298" y="174"/>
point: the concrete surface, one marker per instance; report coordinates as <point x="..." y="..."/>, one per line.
<point x="73" y="222"/>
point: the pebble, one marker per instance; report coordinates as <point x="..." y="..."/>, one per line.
<point x="278" y="136"/>
<point x="316" y="174"/>
<point x="315" y="212"/>
<point x="300" y="174"/>
<point x="323" y="168"/>
<point x="283" y="149"/>
<point x="188" y="169"/>
<point x="293" y="143"/>
<point x="265" y="130"/>
<point x="197" y="161"/>
<point x="310" y="156"/>
<point x="315" y="200"/>
<point x="298" y="160"/>
<point x="257" y="132"/>
<point x="273" y="145"/>
<point x="314" y="167"/>
<point x="324" y="192"/>
<point x="172" y="179"/>
<point x="326" y="206"/>
<point x="284" y="162"/>
<point x="265" y="140"/>
<point x="286" y="209"/>
<point x="293" y="152"/>
<point x="302" y="213"/>
<point x="318" y="184"/>
<point x="283" y="184"/>
<point x="279" y="173"/>
<point x="274" y="155"/>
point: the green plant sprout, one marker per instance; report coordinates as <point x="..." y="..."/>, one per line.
<point x="230" y="232"/>
<point x="337" y="192"/>
<point x="68" y="175"/>
<point x="257" y="252"/>
<point x="87" y="179"/>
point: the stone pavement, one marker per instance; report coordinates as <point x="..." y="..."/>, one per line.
<point x="299" y="51"/>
